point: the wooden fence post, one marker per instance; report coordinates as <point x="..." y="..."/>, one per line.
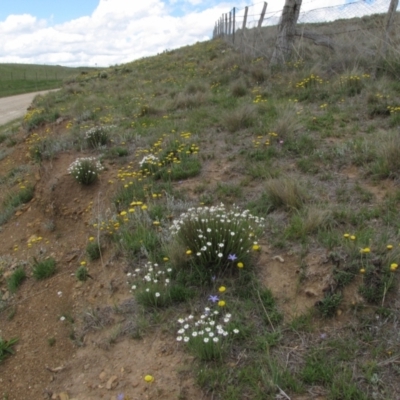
<point x="388" y="25"/>
<point x="226" y="24"/>
<point x="246" y="11"/>
<point x="230" y="23"/>
<point x="233" y="25"/>
<point x="262" y="14"/>
<point x="286" y="32"/>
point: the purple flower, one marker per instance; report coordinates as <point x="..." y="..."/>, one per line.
<point x="212" y="298"/>
<point x="120" y="396"/>
<point x="232" y="257"/>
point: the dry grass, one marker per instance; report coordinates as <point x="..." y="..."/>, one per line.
<point x="241" y="118"/>
<point x="285" y="192"/>
<point x="287" y="122"/>
<point x="189" y="100"/>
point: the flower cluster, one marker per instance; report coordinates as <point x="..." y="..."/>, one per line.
<point x="85" y="170"/>
<point x="216" y="236"/>
<point x="151" y="284"/>
<point x="98" y="135"/>
<point x="149" y="160"/>
<point x="310" y="81"/>
<point x="207" y="335"/>
<point x="149" y="274"/>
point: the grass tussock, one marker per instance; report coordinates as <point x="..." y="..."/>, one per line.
<point x="285" y="192"/>
<point x="241" y="118"/>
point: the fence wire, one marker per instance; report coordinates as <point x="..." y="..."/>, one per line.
<point x="256" y="35"/>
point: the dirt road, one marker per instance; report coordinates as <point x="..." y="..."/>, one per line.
<point x="15" y="106"/>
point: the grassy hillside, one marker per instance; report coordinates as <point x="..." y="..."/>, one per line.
<point x="297" y="297"/>
<point x="25" y="78"/>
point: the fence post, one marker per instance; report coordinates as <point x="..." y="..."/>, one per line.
<point x="233" y="25"/>
<point x="286" y="32"/>
<point x="262" y="14"/>
<point x="226" y="24"/>
<point x="388" y="26"/>
<point x="230" y="23"/>
<point x="246" y="10"/>
<point x="222" y="25"/>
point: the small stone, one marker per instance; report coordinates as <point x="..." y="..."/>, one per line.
<point x="6" y="295"/>
<point x="103" y="376"/>
<point x="135" y="383"/>
<point x="339" y="312"/>
<point x="310" y="293"/>
<point x="112" y="382"/>
<point x="63" y="396"/>
<point x="278" y="258"/>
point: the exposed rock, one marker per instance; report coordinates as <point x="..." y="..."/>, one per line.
<point x="112" y="382"/>
<point x="103" y="376"/>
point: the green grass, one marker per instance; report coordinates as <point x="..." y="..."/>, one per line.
<point x="44" y="269"/>
<point x="16" y="279"/>
<point x="25" y="78"/>
<point x="93" y="251"/>
<point x="6" y="347"/>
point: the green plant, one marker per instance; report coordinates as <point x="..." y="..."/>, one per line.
<point x="93" y="250"/>
<point x="151" y="284"/>
<point x="209" y="336"/>
<point x="217" y="239"/>
<point x="117" y="152"/>
<point x="98" y="136"/>
<point x="139" y="235"/>
<point x="6" y="347"/>
<point x="24" y="195"/>
<point x="82" y="273"/>
<point x="85" y="170"/>
<point x="44" y="269"/>
<point x="329" y="304"/>
<point x="16" y="279"/>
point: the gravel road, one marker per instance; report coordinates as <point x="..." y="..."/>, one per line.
<point x="15" y="106"/>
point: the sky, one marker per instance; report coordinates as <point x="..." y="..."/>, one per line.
<point x="109" y="32"/>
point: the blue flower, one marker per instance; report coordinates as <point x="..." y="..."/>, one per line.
<point x="232" y="257"/>
<point x="212" y="298"/>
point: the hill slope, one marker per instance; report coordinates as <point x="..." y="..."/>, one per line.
<point x="310" y="311"/>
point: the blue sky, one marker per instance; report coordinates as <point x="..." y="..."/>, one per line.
<point x="109" y="32"/>
<point x="57" y="10"/>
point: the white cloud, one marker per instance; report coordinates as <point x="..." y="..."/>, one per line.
<point x="20" y="24"/>
<point x="117" y="31"/>
<point x="123" y="30"/>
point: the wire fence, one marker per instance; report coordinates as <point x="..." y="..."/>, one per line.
<point x="358" y="24"/>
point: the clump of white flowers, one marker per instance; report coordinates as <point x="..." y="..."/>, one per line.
<point x="208" y="335"/>
<point x="217" y="237"/>
<point x="150" y="284"/>
<point x="85" y="170"/>
<point x="151" y="274"/>
<point x="148" y="161"/>
<point x="98" y="135"/>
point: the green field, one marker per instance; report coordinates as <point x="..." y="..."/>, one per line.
<point x="25" y="78"/>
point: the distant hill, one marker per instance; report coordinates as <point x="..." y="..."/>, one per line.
<point x="25" y="78"/>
